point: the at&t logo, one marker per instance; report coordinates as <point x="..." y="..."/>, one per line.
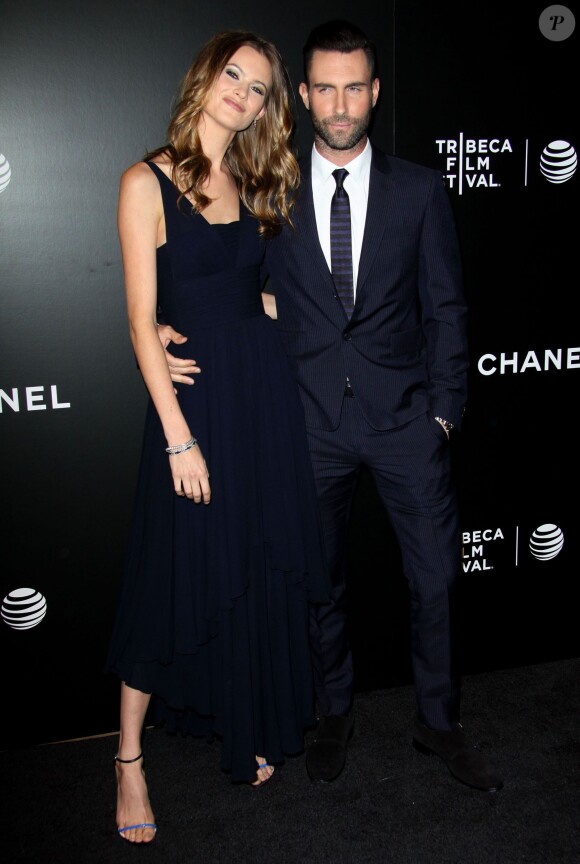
<point x="5" y="172"/>
<point x="558" y="162"/>
<point x="23" y="608"/>
<point x="546" y="542"/>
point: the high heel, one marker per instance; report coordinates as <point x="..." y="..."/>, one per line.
<point x="152" y="825"/>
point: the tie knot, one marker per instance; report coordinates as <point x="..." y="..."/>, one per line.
<point x="339" y="174"/>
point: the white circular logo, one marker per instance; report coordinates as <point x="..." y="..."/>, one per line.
<point x="5" y="172"/>
<point x="558" y="161"/>
<point x="557" y="23"/>
<point x="546" y="542"/>
<point x="23" y="608"/>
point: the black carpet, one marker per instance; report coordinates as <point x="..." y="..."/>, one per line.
<point x="391" y="804"/>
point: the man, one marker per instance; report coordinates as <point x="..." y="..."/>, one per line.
<point x="370" y="307"/>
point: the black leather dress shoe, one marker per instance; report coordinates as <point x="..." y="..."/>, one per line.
<point x="326" y="754"/>
<point x="464" y="761"/>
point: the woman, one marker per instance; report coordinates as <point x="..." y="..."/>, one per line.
<point x="225" y="552"/>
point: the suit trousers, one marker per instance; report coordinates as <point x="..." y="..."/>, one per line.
<point x="411" y="468"/>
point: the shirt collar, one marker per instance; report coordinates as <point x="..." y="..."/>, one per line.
<point x="322" y="168"/>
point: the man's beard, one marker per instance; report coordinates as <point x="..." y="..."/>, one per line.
<point x="344" y="140"/>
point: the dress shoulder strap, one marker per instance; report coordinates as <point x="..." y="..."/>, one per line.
<point x="170" y="194"/>
<point x="156" y="169"/>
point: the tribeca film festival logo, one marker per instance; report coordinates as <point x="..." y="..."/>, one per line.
<point x="545" y="543"/>
<point x="5" y="172"/>
<point x="476" y="163"/>
<point x="23" y="608"/>
<point x="31" y="399"/>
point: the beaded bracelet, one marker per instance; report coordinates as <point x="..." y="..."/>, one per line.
<point x="181" y="448"/>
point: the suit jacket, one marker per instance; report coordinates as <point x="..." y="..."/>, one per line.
<point x="405" y="348"/>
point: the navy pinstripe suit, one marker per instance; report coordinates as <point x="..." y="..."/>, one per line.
<point x="405" y="353"/>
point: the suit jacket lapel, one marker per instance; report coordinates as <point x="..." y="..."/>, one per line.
<point x="307" y="228"/>
<point x="307" y="235"/>
<point x="379" y="184"/>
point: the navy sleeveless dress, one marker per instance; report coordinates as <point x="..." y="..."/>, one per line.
<point x="213" y="610"/>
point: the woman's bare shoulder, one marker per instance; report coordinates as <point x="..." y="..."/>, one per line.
<point x="139" y="187"/>
<point x="137" y="175"/>
<point x="140" y="181"/>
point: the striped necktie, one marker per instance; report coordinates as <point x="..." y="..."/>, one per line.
<point x="341" y="243"/>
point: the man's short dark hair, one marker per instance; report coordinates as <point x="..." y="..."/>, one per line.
<point x="338" y="35"/>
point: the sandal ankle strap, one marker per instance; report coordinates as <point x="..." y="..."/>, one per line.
<point x="127" y="761"/>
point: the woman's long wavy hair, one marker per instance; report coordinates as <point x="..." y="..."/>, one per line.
<point x="260" y="158"/>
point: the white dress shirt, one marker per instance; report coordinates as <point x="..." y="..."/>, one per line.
<point x="356" y="185"/>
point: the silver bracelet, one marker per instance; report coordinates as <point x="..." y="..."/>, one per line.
<point x="181" y="448"/>
<point x="446" y="424"/>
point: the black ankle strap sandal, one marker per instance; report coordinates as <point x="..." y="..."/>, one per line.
<point x="127" y="761"/>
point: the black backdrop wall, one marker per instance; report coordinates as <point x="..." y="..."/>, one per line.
<point x="486" y="94"/>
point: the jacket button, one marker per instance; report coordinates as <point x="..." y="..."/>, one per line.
<point x="347" y="336"/>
